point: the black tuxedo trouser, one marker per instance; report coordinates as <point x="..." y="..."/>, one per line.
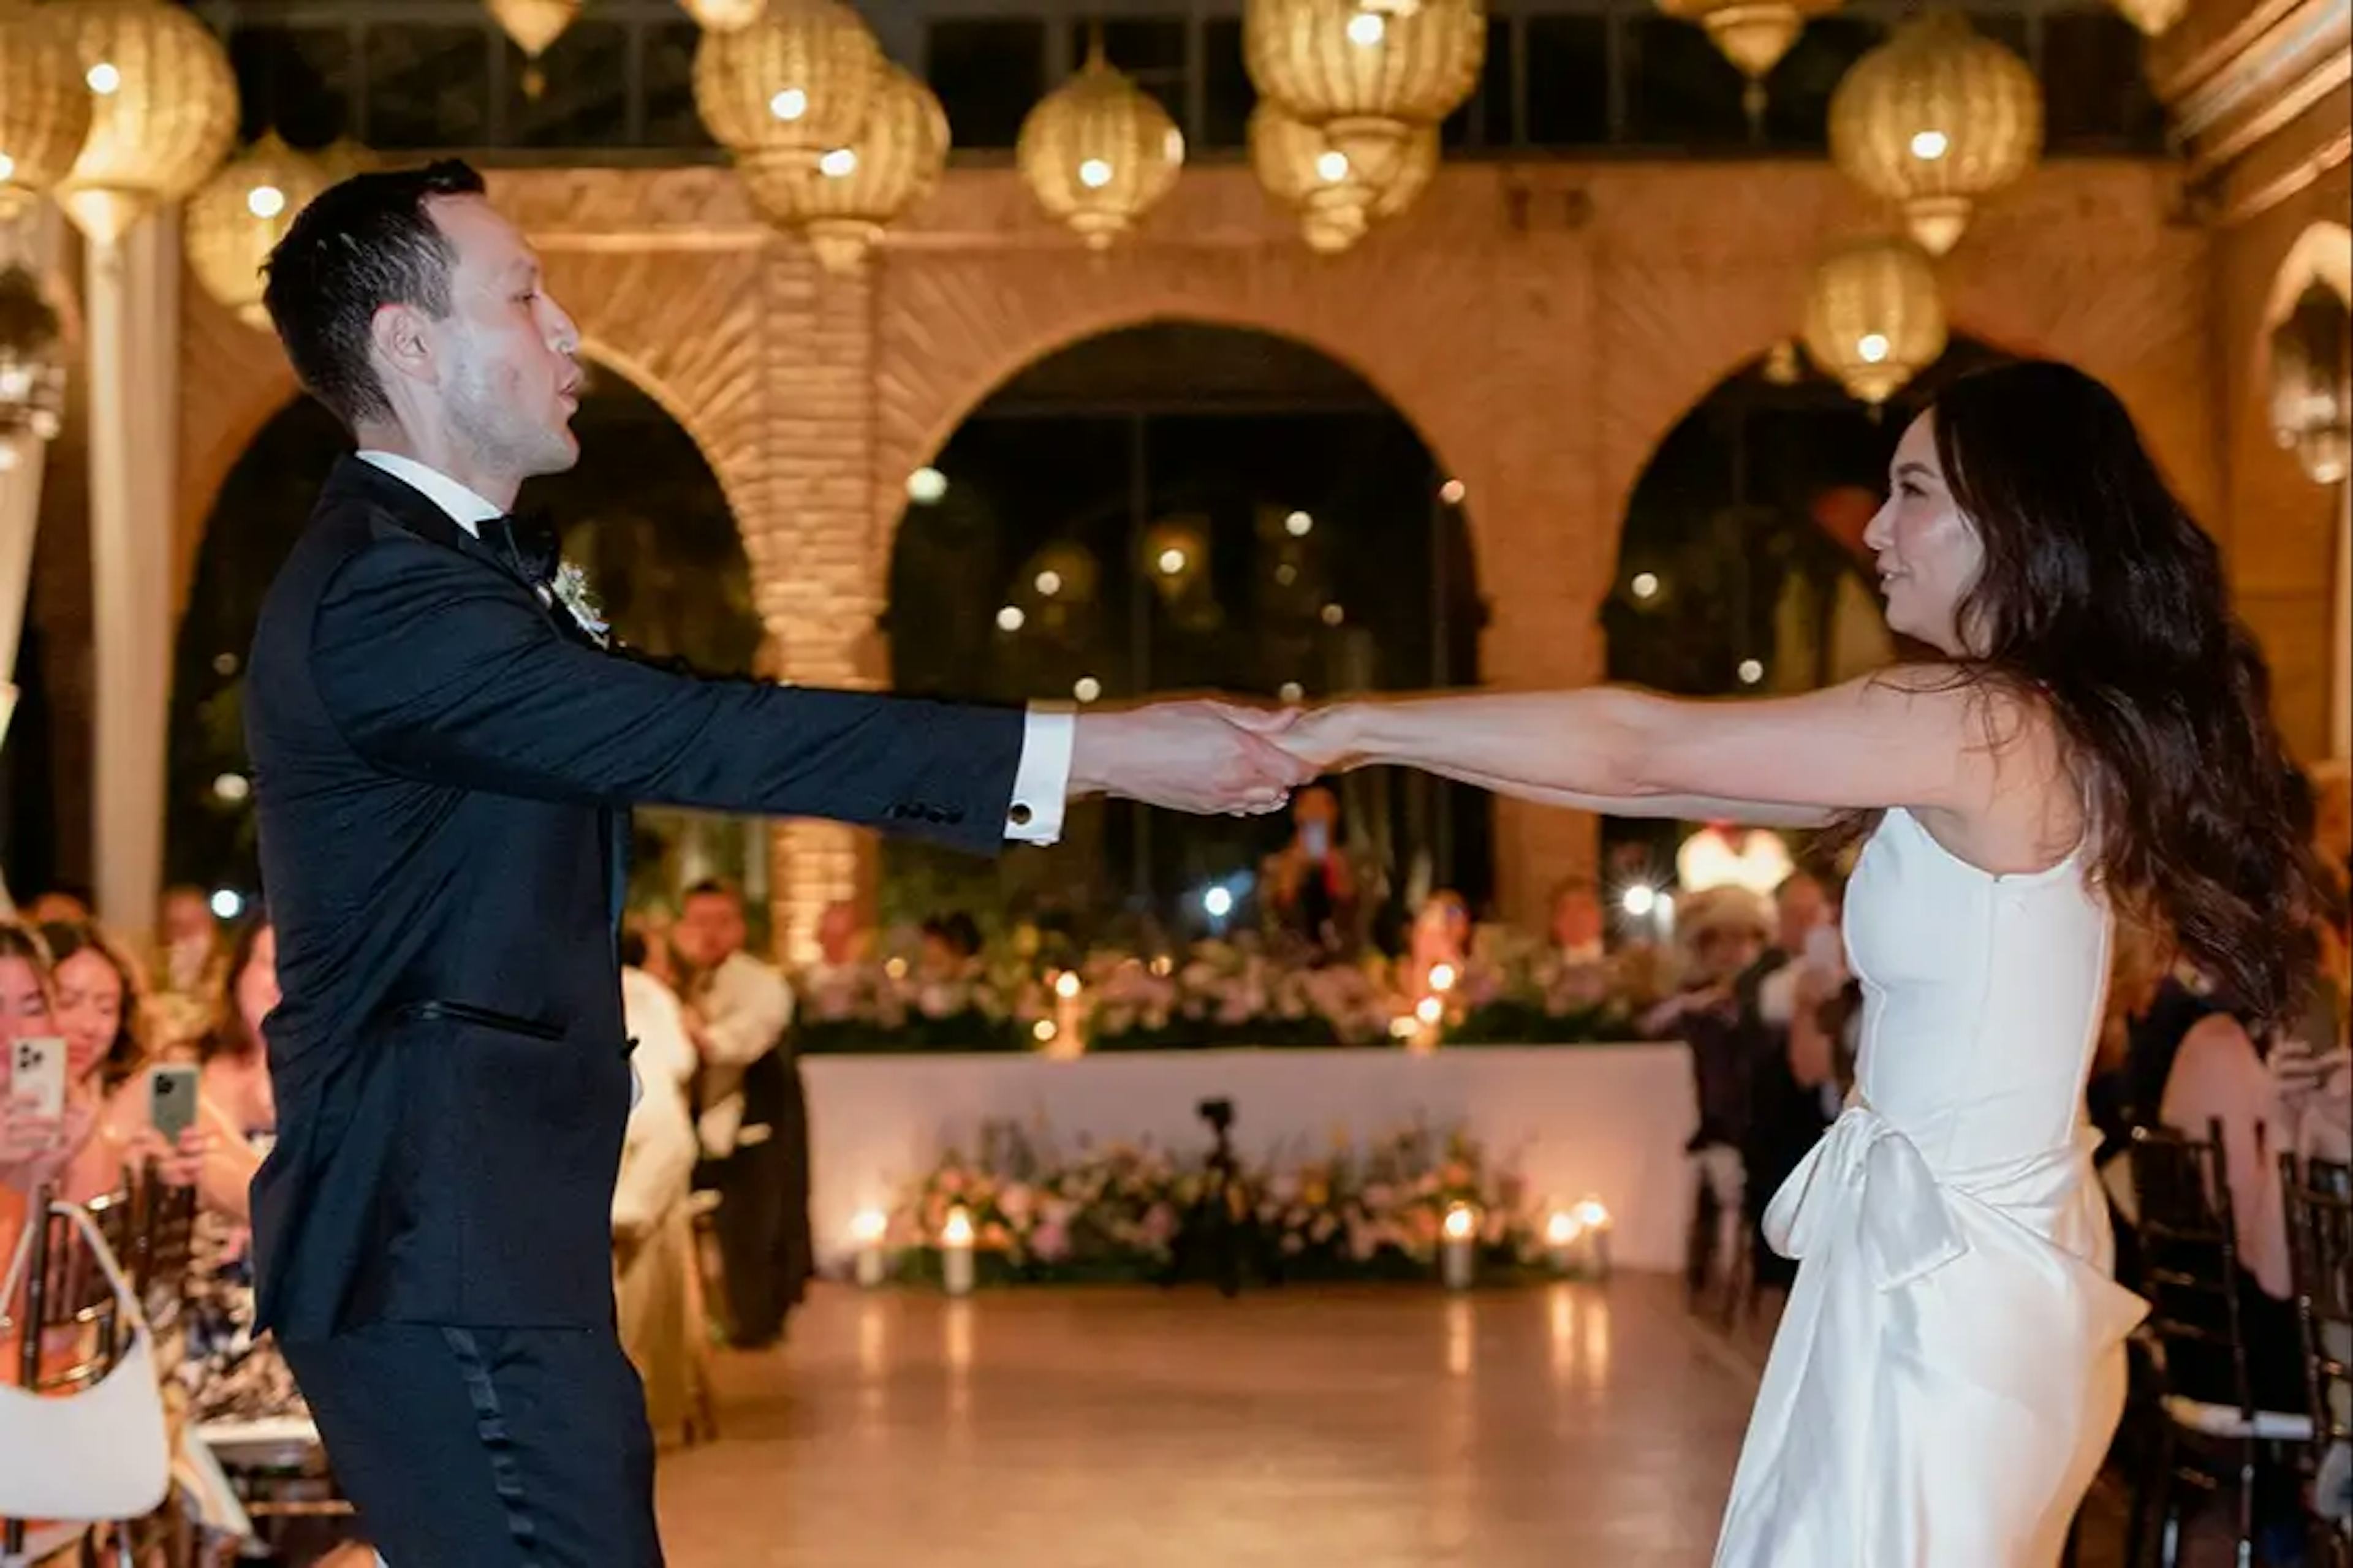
<point x="487" y="1447"/>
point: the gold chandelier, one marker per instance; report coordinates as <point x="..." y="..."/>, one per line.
<point x="724" y="16"/>
<point x="1299" y="167"/>
<point x="1873" y="317"/>
<point x="162" y="111"/>
<point x="535" y="24"/>
<point x="44" y="105"/>
<point x="1752" y="34"/>
<point x="1935" y="119"/>
<point x="235" y="221"/>
<point x="793" y="85"/>
<point x="1366" y="75"/>
<point x="842" y="205"/>
<point x="1098" y="151"/>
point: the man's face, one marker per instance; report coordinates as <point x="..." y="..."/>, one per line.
<point x="1802" y="906"/>
<point x="1577" y="920"/>
<point x="709" y="931"/>
<point x="188" y="918"/>
<point x="509" y="376"/>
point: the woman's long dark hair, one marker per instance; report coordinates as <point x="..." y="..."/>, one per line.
<point x="2104" y="602"/>
<point x="229" y="1036"/>
<point x="127" y="1052"/>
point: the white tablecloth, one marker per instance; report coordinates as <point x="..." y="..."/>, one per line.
<point x="1605" y="1120"/>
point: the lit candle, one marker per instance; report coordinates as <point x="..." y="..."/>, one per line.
<point x="866" y="1230"/>
<point x="1457" y="1256"/>
<point x="1561" y="1233"/>
<point x="956" y="1253"/>
<point x="1593" y="1223"/>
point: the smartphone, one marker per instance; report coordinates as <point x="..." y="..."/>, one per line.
<point x="37" y="1076"/>
<point x="171" y="1098"/>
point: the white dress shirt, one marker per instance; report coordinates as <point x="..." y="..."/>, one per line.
<point x="1041" y="779"/>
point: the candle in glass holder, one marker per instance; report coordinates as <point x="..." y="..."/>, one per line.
<point x="956" y="1253"/>
<point x="1593" y="1221"/>
<point x="1562" y="1232"/>
<point x="1457" y="1253"/>
<point x="866" y="1230"/>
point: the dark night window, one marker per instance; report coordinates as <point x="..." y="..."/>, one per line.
<point x="670" y="117"/>
<point x="1798" y="100"/>
<point x="987" y="75"/>
<point x="2096" y="92"/>
<point x="294" y="81"/>
<point x="1682" y="91"/>
<point x="585" y="101"/>
<point x="427" y="87"/>
<point x="1569" y="81"/>
<point x="1227" y="96"/>
<point x="1484" y="120"/>
<point x="1150" y="49"/>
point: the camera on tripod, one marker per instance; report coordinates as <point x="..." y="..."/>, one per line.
<point x="1217" y="1113"/>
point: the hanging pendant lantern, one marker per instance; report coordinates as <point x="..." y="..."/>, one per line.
<point x="842" y="205"/>
<point x="724" y="16"/>
<point x="792" y="85"/>
<point x="45" y="104"/>
<point x="1754" y="34"/>
<point x="1873" y="316"/>
<point x="1366" y="76"/>
<point x="1935" y="120"/>
<point x="1098" y="151"/>
<point x="162" y="111"/>
<point x="237" y="218"/>
<point x="1301" y="168"/>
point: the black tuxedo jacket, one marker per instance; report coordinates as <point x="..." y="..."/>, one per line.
<point x="443" y="764"/>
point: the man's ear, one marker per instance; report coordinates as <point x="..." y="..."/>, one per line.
<point x="396" y="333"/>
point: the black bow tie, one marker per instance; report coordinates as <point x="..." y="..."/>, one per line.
<point x="527" y="543"/>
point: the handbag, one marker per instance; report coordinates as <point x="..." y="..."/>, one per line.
<point x="97" y="1454"/>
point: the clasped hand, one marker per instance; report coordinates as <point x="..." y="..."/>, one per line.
<point x="1209" y="756"/>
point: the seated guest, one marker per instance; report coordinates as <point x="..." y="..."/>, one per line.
<point x="2218" y="1076"/>
<point x="1579" y="926"/>
<point x="101" y="1016"/>
<point x="189" y="942"/>
<point x="229" y="1374"/>
<point x="653" y="1237"/>
<point x="1722" y="930"/>
<point x="1785" y="1112"/>
<point x="753" y="1126"/>
<point x="832" y="989"/>
<point x="1440" y="938"/>
<point x="1311" y="890"/>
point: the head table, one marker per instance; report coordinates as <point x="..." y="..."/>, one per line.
<point x="1591" y="1121"/>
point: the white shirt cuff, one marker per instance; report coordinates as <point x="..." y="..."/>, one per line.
<point x="1041" y="783"/>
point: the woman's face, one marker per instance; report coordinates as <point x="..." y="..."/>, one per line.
<point x="1928" y="553"/>
<point x="24" y="1003"/>
<point x="257" y="983"/>
<point x="90" y="1009"/>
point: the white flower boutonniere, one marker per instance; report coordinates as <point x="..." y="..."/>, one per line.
<point x="571" y="588"/>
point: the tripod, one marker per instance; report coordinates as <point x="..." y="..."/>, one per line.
<point x="1219" y="1228"/>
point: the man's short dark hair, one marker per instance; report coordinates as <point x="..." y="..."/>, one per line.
<point x="714" y="887"/>
<point x="361" y="246"/>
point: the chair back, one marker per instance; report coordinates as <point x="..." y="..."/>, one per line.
<point x="164" y="1252"/>
<point x="2320" y="1203"/>
<point x="2190" y="1246"/>
<point x="65" y="1303"/>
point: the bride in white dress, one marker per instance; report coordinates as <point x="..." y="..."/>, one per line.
<point x="2095" y="738"/>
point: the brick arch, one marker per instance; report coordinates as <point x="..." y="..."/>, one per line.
<point x="952" y="334"/>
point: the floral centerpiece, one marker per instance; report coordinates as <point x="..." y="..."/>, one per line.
<point x="1118" y="1213"/>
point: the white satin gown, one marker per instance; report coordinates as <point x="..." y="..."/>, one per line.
<point x="1950" y="1366"/>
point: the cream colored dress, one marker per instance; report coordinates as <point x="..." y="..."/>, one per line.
<point x="1951" y="1364"/>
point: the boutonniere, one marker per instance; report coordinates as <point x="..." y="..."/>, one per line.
<point x="571" y="590"/>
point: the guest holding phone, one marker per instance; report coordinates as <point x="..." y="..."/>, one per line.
<point x="101" y="1016"/>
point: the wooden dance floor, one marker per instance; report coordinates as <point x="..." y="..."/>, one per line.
<point x="1363" y="1428"/>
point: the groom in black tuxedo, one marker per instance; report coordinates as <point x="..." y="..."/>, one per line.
<point x="445" y="753"/>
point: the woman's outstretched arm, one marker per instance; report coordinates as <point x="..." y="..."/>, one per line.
<point x="1901" y="738"/>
